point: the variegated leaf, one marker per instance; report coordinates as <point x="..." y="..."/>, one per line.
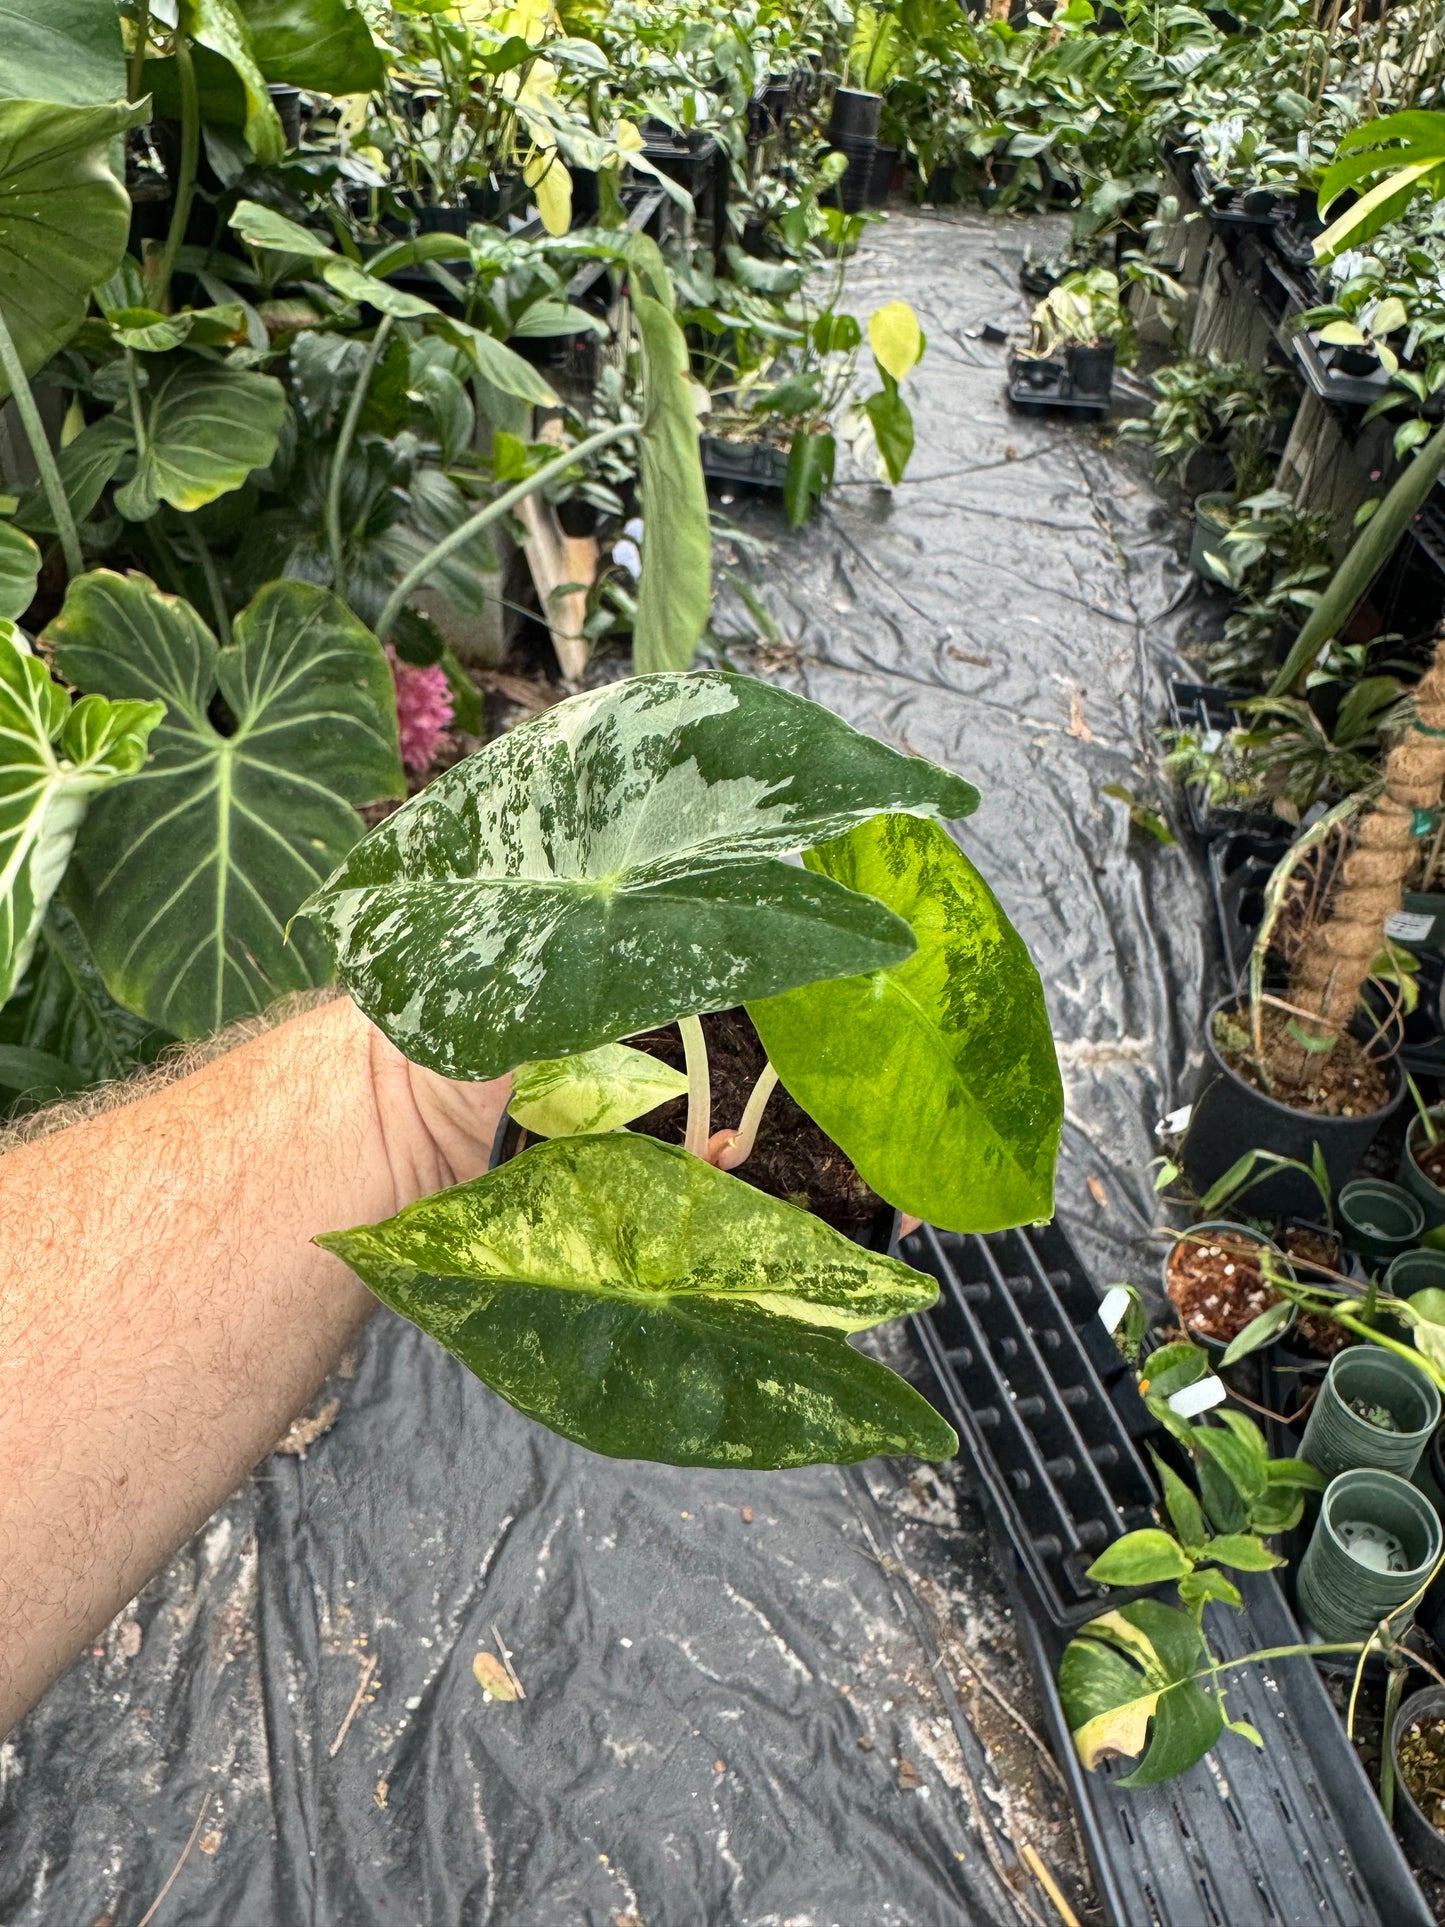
<point x="616" y="863"/>
<point x="600" y="1090"/>
<point x="54" y="757"/>
<point x="649" y="1306"/>
<point x="183" y="881"/>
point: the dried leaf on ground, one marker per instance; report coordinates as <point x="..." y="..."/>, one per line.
<point x="493" y="1677"/>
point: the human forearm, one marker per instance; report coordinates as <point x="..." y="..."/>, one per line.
<point x="163" y="1313"/>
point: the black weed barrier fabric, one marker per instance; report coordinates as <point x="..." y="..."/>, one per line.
<point x="736" y="1712"/>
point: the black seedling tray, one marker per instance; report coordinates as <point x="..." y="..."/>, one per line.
<point x="1240" y="867"/>
<point x="1247" y="1838"/>
<point x="1202" y="707"/>
<point x="1289" y="1835"/>
<point x="1052" y="391"/>
<point x="1044" y="1403"/>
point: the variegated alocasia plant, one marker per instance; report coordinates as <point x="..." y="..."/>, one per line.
<point x="628" y="859"/>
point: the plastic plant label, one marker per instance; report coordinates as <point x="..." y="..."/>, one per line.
<point x="1112" y="1307"/>
<point x="1197" y="1398"/>
<point x="1409" y="926"/>
<point x="1176" y="1123"/>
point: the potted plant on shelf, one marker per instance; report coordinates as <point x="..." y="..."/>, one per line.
<point x="617" y="864"/>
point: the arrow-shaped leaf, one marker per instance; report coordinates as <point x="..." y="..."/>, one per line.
<point x="600" y="1090"/>
<point x="649" y="1306"/>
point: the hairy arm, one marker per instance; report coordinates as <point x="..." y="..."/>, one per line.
<point x="164" y="1314"/>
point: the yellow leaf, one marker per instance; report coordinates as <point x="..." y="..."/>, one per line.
<point x="493" y="1678"/>
<point x="895" y="338"/>
<point x="74" y="422"/>
<point x="551" y="187"/>
<point x="1122" y="1730"/>
<point x="629" y="137"/>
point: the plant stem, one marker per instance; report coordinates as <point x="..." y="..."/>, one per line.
<point x="40" y="448"/>
<point x="699" y="1087"/>
<point x="137" y="412"/>
<point x="493" y="512"/>
<point x="1393" y="1690"/>
<point x="1416" y="1358"/>
<point x="160" y="283"/>
<point x="344" y="439"/>
<point x="1431" y="1134"/>
<point x="213" y="582"/>
<point x="746" y="1136"/>
<point x="135" y="72"/>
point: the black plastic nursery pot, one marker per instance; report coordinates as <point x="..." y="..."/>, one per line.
<point x="852" y="193"/>
<point x="1381" y="1221"/>
<point x="1091" y="367"/>
<point x="1212" y="521"/>
<point x="855" y="115"/>
<point x="1424" y="1190"/>
<point x="1202" y="1235"/>
<point x="1338" y="1439"/>
<point x="880" y="180"/>
<point x="1230" y="1117"/>
<point x="1415" y="1828"/>
<point x="1374" y="1544"/>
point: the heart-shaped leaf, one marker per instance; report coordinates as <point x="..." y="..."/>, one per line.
<point x="63" y="50"/>
<point x="1129" y="1668"/>
<point x="937" y="1075"/>
<point x="616" y="863"/>
<point x="64" y="219"/>
<point x="64" y="1010"/>
<point x="324" y="46"/>
<point x="19" y="571"/>
<point x="206" y="427"/>
<point x="86" y="465"/>
<point x="1143" y="1558"/>
<point x="600" y="1090"/>
<point x="184" y="884"/>
<point x="649" y="1306"/>
<point x="55" y="756"/>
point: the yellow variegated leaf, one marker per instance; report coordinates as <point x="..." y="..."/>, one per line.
<point x="895" y="338"/>
<point x="598" y="1090"/>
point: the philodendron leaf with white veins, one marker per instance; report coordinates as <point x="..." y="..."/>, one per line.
<point x="616" y="863"/>
<point x="184" y="881"/>
<point x="54" y="757"/>
<point x="649" y="1306"/>
<point x="599" y="1090"/>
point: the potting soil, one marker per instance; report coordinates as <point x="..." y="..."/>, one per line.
<point x="749" y="1700"/>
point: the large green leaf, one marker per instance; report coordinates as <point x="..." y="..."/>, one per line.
<point x="64" y="219"/>
<point x="63" y="1010"/>
<point x="649" y="1306"/>
<point x="221" y="25"/>
<point x="55" y="756"/>
<point x="184" y="881"/>
<point x="206" y="427"/>
<point x="616" y="863"/>
<point x="85" y="465"/>
<point x="322" y="45"/>
<point x="1131" y="1667"/>
<point x="600" y="1090"/>
<point x="1402" y="154"/>
<point x="19" y="571"/>
<point x="674" y="594"/>
<point x="937" y="1076"/>
<point x="62" y="50"/>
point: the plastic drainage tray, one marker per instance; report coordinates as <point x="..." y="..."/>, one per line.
<point x="1289" y="1834"/>
<point x="1047" y="1410"/>
<point x="1045" y="1404"/>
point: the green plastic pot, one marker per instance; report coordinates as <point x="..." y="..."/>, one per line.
<point x="1424" y="1840"/>
<point x="1345" y="1588"/>
<point x="1380" y="1220"/>
<point x="1424" y="1190"/>
<point x="1213" y="518"/>
<point x="1338" y="1440"/>
<point x="1415" y="1271"/>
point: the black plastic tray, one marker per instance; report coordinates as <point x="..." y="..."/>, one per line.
<point x="1240" y="867"/>
<point x="1289" y="1835"/>
<point x="1203" y="707"/>
<point x="1045" y="1405"/>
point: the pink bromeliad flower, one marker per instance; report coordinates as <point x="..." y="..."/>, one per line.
<point x="423" y="710"/>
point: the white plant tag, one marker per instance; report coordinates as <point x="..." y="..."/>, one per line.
<point x="1409" y="926"/>
<point x="1198" y="1397"/>
<point x="1112" y="1306"/>
<point x="1175" y="1124"/>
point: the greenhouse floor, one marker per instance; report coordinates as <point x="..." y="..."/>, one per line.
<point x="748" y="1701"/>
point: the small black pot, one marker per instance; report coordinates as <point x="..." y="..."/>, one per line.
<point x="1425" y="1841"/>
<point x="1230" y="1117"/>
<point x="1091" y="367"/>
<point x="577" y="516"/>
<point x="444" y="220"/>
<point x="854" y="116"/>
<point x="851" y="193"/>
<point x="287" y="102"/>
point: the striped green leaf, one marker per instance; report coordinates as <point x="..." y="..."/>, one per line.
<point x="55" y="756"/>
<point x="185" y="879"/>
<point x="649" y="1306"/>
<point x="616" y="863"/>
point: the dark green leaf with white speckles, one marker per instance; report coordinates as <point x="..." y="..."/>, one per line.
<point x="616" y="863"/>
<point x="650" y="1306"/>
